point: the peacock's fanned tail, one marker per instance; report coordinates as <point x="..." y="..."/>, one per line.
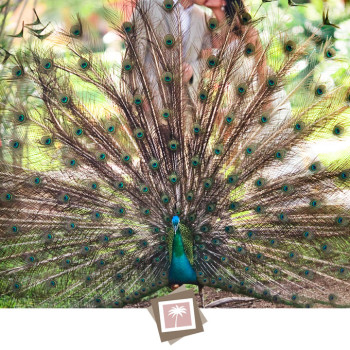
<point x="102" y="157"/>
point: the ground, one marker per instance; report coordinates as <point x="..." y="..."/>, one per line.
<point x="211" y="295"/>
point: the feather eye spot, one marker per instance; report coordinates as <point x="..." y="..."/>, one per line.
<point x="271" y="82"/>
<point x="233" y="206"/>
<point x="203" y="95"/>
<point x="260" y="182"/>
<point x="21" y="118"/>
<point x="218" y="149"/>
<point x="229" y="229"/>
<point x="189" y="196"/>
<point x="76" y="30"/>
<point x="168" y="5"/>
<point x="232" y="179"/>
<point x="15" y="144"/>
<point x="8" y="197"/>
<point x="167" y="77"/>
<point x="338" y="130"/>
<point x="79" y="132"/>
<point x="263" y="120"/>
<point x="173" y="145"/>
<point x="212" y="61"/>
<point x="154" y="164"/>
<point x="314" y="203"/>
<point x="127" y="27"/>
<point x="320" y="90"/>
<point x="17" y="72"/>
<point x="83" y="64"/>
<point x="126" y="158"/>
<point x="299" y="126"/>
<point x="249" y="150"/>
<point x="165" y="199"/>
<point x="249" y="50"/>
<point x="166" y="113"/>
<point x="330" y="53"/>
<point x="229" y="118"/>
<point x="344" y="175"/>
<point x="195" y="162"/>
<point x="144" y="189"/>
<point x="197" y="129"/>
<point x="207" y="184"/>
<point x="213" y="24"/>
<point x="242" y="89"/>
<point x="211" y="207"/>
<point x="245" y="18"/>
<point x="314" y="167"/>
<point x="46" y="141"/>
<point x="173" y="178"/>
<point x="139" y="133"/>
<point x="64" y="100"/>
<point x="289" y="46"/>
<point x="138" y="100"/>
<point x="46" y="65"/>
<point x="169" y="41"/>
<point x="111" y="129"/>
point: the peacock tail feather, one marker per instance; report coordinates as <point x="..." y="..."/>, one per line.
<point x="105" y="155"/>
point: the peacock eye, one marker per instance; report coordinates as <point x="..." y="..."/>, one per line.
<point x="168" y="5"/>
<point x="173" y="145"/>
<point x="15" y="144"/>
<point x="289" y="46"/>
<point x="330" y="53"/>
<point x="137" y="100"/>
<point x="213" y="23"/>
<point x="203" y="95"/>
<point x="245" y="18"/>
<point x="263" y="120"/>
<point x="21" y="118"/>
<point x="83" y="64"/>
<point x="169" y="41"/>
<point x="128" y="27"/>
<point x="17" y="72"/>
<point x="241" y="89"/>
<point x="320" y="90"/>
<point x="299" y="126"/>
<point x="212" y="61"/>
<point x="167" y="77"/>
<point x="249" y="49"/>
<point x="338" y="130"/>
<point x="64" y="99"/>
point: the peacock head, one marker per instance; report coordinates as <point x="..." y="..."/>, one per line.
<point x="175" y="221"/>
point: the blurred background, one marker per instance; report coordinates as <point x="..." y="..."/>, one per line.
<point x="300" y="20"/>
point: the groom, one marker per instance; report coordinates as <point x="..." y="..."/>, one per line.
<point x="194" y="29"/>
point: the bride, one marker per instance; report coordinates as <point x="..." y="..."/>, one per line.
<point x="230" y="12"/>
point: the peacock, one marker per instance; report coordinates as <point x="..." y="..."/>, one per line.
<point x="121" y="179"/>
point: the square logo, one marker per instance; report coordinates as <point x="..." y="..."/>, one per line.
<point x="177" y="315"/>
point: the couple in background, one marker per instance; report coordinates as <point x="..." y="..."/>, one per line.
<point x="197" y="39"/>
<point x="199" y="43"/>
